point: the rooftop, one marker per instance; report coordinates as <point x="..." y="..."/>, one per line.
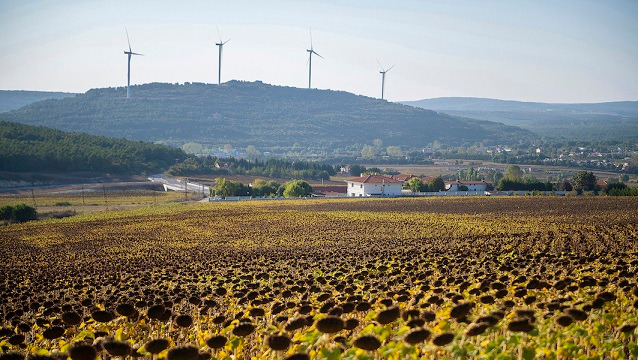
<point x="375" y="179"/>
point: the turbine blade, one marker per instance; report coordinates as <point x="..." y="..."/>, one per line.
<point x="218" y="34"/>
<point x="390" y="68"/>
<point x="382" y="69"/>
<point x="224" y="43"/>
<point x="317" y="54"/>
<point x="311" y="39"/>
<point x="137" y="54"/>
<point x="127" y="39"/>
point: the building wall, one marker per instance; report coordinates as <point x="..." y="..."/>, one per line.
<point x="470" y="187"/>
<point x="373" y="189"/>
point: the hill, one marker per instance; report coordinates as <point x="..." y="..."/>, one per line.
<point x="593" y="121"/>
<point x="254" y="113"/>
<point x="15" y="99"/>
<point x="28" y="148"/>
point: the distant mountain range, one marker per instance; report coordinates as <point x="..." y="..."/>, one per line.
<point x="15" y="99"/>
<point x="254" y="113"/>
<point x="593" y="121"/>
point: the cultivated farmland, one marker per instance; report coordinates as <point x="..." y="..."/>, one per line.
<point x="467" y="278"/>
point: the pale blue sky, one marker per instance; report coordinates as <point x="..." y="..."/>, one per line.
<point x="553" y="51"/>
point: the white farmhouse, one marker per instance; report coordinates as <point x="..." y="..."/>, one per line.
<point x="374" y="185"/>
<point x="471" y="185"/>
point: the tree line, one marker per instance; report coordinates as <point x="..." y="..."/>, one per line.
<point x="27" y="148"/>
<point x="274" y="168"/>
<point x="266" y="188"/>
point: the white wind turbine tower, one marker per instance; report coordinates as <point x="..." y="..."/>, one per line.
<point x="220" y="44"/>
<point x="382" y="72"/>
<point x="129" y="53"/>
<point x="310" y="52"/>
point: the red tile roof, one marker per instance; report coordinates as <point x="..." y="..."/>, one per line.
<point x="375" y="179"/>
<point x="403" y="177"/>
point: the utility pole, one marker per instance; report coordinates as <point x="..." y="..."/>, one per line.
<point x="82" y="194"/>
<point x="185" y="189"/>
<point x="33" y="197"/>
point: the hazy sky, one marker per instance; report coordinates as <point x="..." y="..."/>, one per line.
<point x="552" y="51"/>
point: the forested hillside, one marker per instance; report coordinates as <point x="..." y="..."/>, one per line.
<point x="610" y="121"/>
<point x="28" y="148"/>
<point x="15" y="99"/>
<point x="254" y="113"/>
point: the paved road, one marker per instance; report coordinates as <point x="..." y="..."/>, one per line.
<point x="178" y="185"/>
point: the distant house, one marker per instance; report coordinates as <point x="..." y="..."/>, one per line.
<point x="471" y="185"/>
<point x="374" y="185"/>
<point x="344" y="171"/>
<point x="403" y="177"/>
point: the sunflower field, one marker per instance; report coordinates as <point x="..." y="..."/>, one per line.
<point x="455" y="278"/>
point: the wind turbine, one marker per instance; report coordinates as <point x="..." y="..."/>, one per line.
<point x="382" y="72"/>
<point x="220" y="44"/>
<point x="310" y="52"/>
<point x="129" y="53"/>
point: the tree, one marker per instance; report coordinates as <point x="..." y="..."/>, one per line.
<point x="224" y="187"/>
<point x="378" y="143"/>
<point x="357" y="170"/>
<point x="513" y="172"/>
<point x="252" y="153"/>
<point x="565" y="186"/>
<point x="368" y="152"/>
<point x="193" y="148"/>
<point x="416" y="185"/>
<point x="584" y="181"/>
<point x="624" y="178"/>
<point x="437" y="184"/>
<point x="394" y="151"/>
<point x="618" y="186"/>
<point x="265" y="187"/>
<point x="228" y="148"/>
<point x="297" y="188"/>
<point x="23" y="212"/>
<point x="6" y="212"/>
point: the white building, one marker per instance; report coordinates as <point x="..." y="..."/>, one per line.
<point x="374" y="185"/>
<point x="471" y="185"/>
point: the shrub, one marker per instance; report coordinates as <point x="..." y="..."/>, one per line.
<point x="18" y="213"/>
<point x="23" y="212"/>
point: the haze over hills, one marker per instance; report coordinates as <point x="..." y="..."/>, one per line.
<point x="587" y="121"/>
<point x="254" y="113"/>
<point x="15" y="99"/>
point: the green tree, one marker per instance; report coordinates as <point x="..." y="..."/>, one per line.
<point x="193" y="148"/>
<point x="437" y="184"/>
<point x="6" y="212"/>
<point x="614" y="186"/>
<point x="224" y="187"/>
<point x="252" y="153"/>
<point x="416" y="185"/>
<point x="368" y="152"/>
<point x="297" y="188"/>
<point x="513" y="172"/>
<point x="584" y="181"/>
<point x="378" y="143"/>
<point x="624" y="178"/>
<point x="357" y="170"/>
<point x="263" y="187"/>
<point x="394" y="151"/>
<point x="22" y="213"/>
